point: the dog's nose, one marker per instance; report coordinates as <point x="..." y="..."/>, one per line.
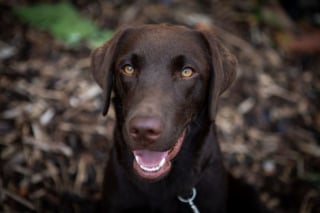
<point x="146" y="129"/>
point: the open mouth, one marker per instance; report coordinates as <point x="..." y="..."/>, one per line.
<point x="153" y="165"/>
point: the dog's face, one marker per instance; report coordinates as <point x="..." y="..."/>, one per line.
<point x="163" y="77"/>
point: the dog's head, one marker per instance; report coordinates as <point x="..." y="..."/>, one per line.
<point x="163" y="77"/>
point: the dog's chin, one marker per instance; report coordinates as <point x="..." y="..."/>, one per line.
<point x="153" y="165"/>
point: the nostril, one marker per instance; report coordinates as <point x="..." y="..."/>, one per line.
<point x="145" y="128"/>
<point x="153" y="132"/>
<point x="134" y="132"/>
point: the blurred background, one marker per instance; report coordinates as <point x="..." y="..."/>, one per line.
<point x="54" y="142"/>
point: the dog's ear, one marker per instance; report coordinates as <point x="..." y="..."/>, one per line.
<point x="224" y="66"/>
<point x="102" y="65"/>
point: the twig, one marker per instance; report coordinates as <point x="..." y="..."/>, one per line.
<point x="50" y="147"/>
<point x="19" y="199"/>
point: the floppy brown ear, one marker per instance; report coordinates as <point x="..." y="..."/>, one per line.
<point x="102" y="61"/>
<point x="224" y="66"/>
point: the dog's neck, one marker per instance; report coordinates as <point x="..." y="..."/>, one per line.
<point x="197" y="141"/>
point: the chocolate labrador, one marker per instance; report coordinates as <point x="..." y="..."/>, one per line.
<point x="166" y="82"/>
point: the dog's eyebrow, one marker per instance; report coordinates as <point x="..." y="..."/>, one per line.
<point x="181" y="61"/>
<point x="132" y="58"/>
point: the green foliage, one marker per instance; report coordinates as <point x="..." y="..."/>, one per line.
<point x="64" y="22"/>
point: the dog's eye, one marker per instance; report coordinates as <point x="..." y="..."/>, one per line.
<point x="187" y="72"/>
<point x="128" y="69"/>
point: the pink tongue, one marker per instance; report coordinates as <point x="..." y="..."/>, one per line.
<point x="150" y="158"/>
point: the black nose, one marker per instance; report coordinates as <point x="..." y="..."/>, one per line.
<point x="147" y="129"/>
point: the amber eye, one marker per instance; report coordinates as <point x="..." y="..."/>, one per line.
<point x="128" y="69"/>
<point x="187" y="72"/>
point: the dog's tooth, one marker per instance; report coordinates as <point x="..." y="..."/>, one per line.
<point x="162" y="162"/>
<point x="137" y="158"/>
<point x="151" y="169"/>
<point x="147" y="169"/>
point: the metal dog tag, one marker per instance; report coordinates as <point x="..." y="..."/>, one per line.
<point x="190" y="201"/>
